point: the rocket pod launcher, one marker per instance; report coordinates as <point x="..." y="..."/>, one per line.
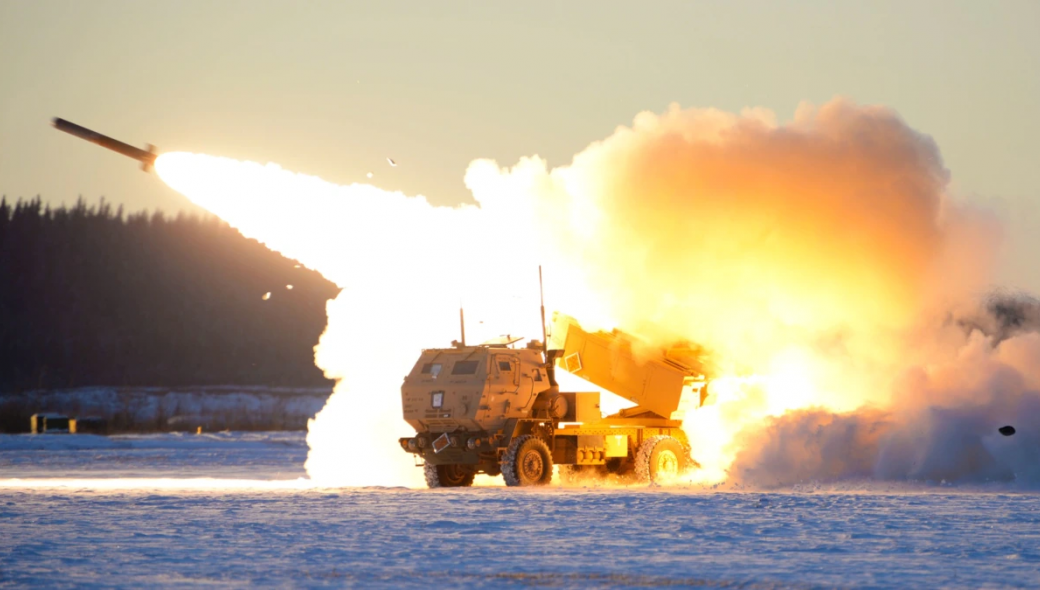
<point x="497" y="409"/>
<point x="663" y="384"/>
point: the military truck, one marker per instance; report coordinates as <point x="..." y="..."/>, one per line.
<point x="497" y="409"/>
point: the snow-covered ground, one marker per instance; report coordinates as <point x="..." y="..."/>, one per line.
<point x="229" y="509"/>
<point x="267" y="455"/>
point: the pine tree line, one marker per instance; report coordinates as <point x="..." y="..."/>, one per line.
<point x="92" y="296"/>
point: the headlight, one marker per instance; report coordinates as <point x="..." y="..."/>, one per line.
<point x="472" y="443"/>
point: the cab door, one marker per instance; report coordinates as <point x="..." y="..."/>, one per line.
<point x="505" y="372"/>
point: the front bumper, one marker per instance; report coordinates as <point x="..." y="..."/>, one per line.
<point x="464" y="448"/>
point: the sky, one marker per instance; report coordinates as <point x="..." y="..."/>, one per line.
<point x="335" y="88"/>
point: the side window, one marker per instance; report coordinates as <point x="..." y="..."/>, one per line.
<point x="432" y="369"/>
<point x="464" y="368"/>
<point x="505" y="366"/>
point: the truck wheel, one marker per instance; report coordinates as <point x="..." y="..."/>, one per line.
<point x="660" y="459"/>
<point x="527" y="462"/>
<point x="448" y="476"/>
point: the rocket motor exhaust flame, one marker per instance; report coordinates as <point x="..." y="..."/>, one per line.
<point x="812" y="258"/>
<point x="403" y="265"/>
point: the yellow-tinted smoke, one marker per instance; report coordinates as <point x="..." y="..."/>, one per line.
<point x="803" y="255"/>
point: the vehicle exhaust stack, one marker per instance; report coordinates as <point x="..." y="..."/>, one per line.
<point x="145" y="157"/>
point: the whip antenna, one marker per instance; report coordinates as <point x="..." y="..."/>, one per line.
<point x="462" y="323"/>
<point x="541" y="294"/>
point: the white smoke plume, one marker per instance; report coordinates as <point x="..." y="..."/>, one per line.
<point x="814" y="259"/>
<point x="404" y="267"/>
<point x="943" y="424"/>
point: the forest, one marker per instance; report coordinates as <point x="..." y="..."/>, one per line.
<point x="91" y="296"/>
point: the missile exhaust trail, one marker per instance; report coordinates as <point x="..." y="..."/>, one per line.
<point x="145" y="157"/>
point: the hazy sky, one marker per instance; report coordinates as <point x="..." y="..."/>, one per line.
<point x="334" y="88"/>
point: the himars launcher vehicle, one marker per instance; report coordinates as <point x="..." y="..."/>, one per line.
<point x="498" y="410"/>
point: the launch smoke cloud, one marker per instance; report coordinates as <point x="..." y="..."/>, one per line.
<point x="819" y="260"/>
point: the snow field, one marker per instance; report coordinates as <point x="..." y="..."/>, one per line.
<point x="147" y="535"/>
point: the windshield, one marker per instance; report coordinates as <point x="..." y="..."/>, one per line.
<point x="465" y="368"/>
<point x="432" y="369"/>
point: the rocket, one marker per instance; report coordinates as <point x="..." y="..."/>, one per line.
<point x="145" y="157"/>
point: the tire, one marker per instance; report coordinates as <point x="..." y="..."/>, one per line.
<point x="448" y="476"/>
<point x="661" y="459"/>
<point x="527" y="462"/>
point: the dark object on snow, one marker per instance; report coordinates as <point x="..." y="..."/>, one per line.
<point x="145" y="157"/>
<point x="1006" y="430"/>
<point x="42" y="423"/>
<point x="88" y="425"/>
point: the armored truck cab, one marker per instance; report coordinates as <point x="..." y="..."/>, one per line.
<point x="495" y="409"/>
<point x="472" y="389"/>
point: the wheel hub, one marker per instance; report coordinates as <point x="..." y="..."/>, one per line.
<point x="533" y="465"/>
<point x="667" y="463"/>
